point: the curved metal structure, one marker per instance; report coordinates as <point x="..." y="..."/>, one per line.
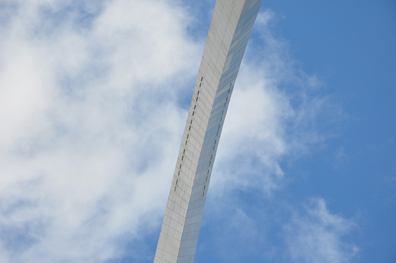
<point x="229" y="33"/>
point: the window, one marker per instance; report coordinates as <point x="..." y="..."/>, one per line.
<point x="206" y="179"/>
<point x="229" y="90"/>
<point x="214" y="147"/>
<point x="215" y="141"/>
<point x="210" y="163"/>
<point x="211" y="157"/>
<point x="208" y="172"/>
<point x="195" y="106"/>
<point x="193" y="114"/>
<point x="201" y="78"/>
<point x="189" y="128"/>
<point x="191" y="122"/>
<point x="217" y="133"/>
<point x="198" y="92"/>
<point x="180" y="166"/>
<point x="178" y="173"/>
<point x="182" y="157"/>
<point x="188" y="135"/>
<point x="177" y="181"/>
<point x="196" y="99"/>
<point x="186" y="142"/>
<point x="226" y="98"/>
<point x="175" y="189"/>
<point x="221" y="118"/>
<point x="203" y="193"/>
<point x="200" y="84"/>
<point x="184" y="151"/>
<point x="204" y="187"/>
<point x="230" y="84"/>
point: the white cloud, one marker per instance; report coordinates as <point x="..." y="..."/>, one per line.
<point x="318" y="235"/>
<point x="89" y="114"/>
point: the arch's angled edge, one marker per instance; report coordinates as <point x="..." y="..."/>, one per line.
<point x="229" y="33"/>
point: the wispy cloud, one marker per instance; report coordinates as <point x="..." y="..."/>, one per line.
<point x="317" y="235"/>
<point x="272" y="120"/>
<point x="267" y="120"/>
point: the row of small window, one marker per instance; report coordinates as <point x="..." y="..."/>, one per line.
<point x="220" y="97"/>
<point x="189" y="128"/>
<point x="211" y="157"/>
<point x="214" y="147"/>
<point x="195" y="106"/>
<point x="177" y="180"/>
<point x="207" y="176"/>
<point x="210" y="161"/>
<point x="196" y="99"/>
<point x="188" y="135"/>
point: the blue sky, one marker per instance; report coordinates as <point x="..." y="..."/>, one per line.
<point x="94" y="97"/>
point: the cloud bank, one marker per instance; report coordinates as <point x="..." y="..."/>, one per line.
<point x="90" y="117"/>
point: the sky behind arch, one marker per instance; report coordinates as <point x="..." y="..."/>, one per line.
<point x="94" y="97"/>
